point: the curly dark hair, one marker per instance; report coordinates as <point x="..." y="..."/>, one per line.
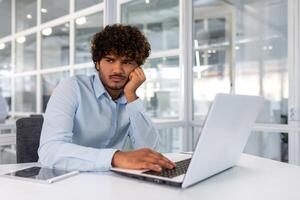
<point x="120" y="40"/>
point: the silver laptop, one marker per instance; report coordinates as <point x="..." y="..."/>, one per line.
<point x="222" y="140"/>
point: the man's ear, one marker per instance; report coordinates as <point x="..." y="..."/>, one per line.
<point x="97" y="65"/>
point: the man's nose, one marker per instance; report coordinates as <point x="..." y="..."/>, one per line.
<point x="117" y="67"/>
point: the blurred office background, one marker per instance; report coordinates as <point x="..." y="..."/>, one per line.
<point x="199" y="48"/>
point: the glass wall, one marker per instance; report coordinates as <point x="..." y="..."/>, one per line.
<point x="26" y="16"/>
<point x="273" y="145"/>
<point x="55" y="46"/>
<point x="171" y="140"/>
<point x="5" y="90"/>
<point x="5" y="71"/>
<point x="85" y="28"/>
<point x="212" y="47"/>
<point x="163" y="31"/>
<point x="25" y="94"/>
<point x="54" y="9"/>
<point x="25" y="53"/>
<point x="5" y="20"/>
<point x="5" y="59"/>
<point x="246" y="40"/>
<point x="42" y="59"/>
<point x="261" y="56"/>
<point x="161" y="92"/>
<point x="241" y="47"/>
<point x="79" y="4"/>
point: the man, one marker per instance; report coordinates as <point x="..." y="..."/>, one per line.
<point x="88" y="119"/>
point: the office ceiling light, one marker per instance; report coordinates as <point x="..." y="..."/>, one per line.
<point x="270" y="47"/>
<point x="47" y="31"/>
<point x="147" y="1"/>
<point x="237" y="47"/>
<point x="2" y="45"/>
<point x="44" y="10"/>
<point x="21" y="39"/>
<point x="29" y="16"/>
<point x="80" y="20"/>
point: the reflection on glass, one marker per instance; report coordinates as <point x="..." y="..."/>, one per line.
<point x="5" y="59"/>
<point x="5" y="20"/>
<point x="55" y="46"/>
<point x="26" y="14"/>
<point x="161" y="91"/>
<point x="79" y="4"/>
<point x="53" y="9"/>
<point x="86" y="28"/>
<point x="163" y="31"/>
<point x="261" y="56"/>
<point x="25" y="94"/>
<point x="211" y="70"/>
<point x="268" y="145"/>
<point x="5" y="90"/>
<point x="26" y="53"/>
<point x="49" y="82"/>
<point x="171" y="140"/>
<point x="87" y="71"/>
<point x="272" y="145"/>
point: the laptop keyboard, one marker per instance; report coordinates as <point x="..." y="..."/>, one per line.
<point x="181" y="168"/>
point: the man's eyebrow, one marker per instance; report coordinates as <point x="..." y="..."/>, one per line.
<point x="109" y="57"/>
<point x="127" y="59"/>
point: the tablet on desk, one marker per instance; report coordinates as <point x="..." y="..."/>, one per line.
<point x="40" y="174"/>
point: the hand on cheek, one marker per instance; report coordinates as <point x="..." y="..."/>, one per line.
<point x="136" y="78"/>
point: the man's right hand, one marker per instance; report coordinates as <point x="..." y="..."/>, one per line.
<point x="141" y="159"/>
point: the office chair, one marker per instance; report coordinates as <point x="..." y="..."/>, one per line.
<point x="28" y="138"/>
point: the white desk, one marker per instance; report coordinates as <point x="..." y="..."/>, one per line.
<point x="254" y="179"/>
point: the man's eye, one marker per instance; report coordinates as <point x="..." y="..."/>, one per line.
<point x="109" y="60"/>
<point x="127" y="62"/>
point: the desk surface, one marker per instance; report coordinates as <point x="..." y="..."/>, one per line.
<point x="253" y="178"/>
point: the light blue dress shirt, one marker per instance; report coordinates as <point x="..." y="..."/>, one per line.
<point x="83" y="127"/>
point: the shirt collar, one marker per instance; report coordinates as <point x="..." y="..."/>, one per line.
<point x="98" y="86"/>
<point x="99" y="90"/>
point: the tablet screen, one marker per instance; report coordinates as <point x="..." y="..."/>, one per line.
<point x="39" y="173"/>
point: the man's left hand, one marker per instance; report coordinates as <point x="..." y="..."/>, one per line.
<point x="136" y="78"/>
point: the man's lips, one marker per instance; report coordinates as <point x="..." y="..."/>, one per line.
<point x="116" y="78"/>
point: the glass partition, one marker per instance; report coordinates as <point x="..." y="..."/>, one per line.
<point x="241" y="47"/>
<point x="26" y="16"/>
<point x="26" y="53"/>
<point x="55" y="46"/>
<point x="5" y="20"/>
<point x="163" y="31"/>
<point x="85" y="28"/>
<point x="53" y="9"/>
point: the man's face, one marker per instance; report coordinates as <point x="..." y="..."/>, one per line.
<point x="114" y="71"/>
